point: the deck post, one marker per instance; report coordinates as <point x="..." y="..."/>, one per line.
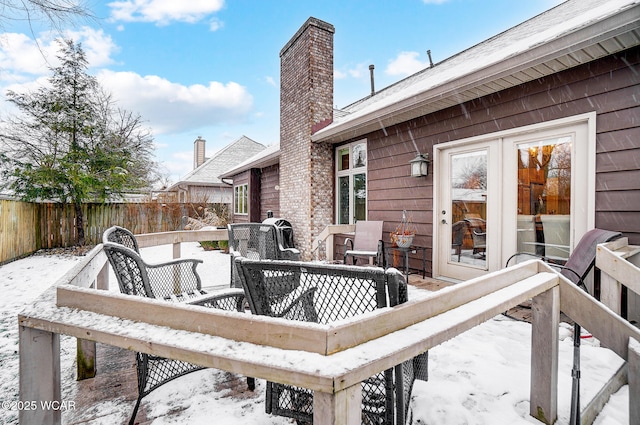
<point x="40" y="396"/>
<point x="176" y="250"/>
<point x="86" y="350"/>
<point x="342" y="407"/>
<point x="634" y="381"/>
<point x="544" y="355"/>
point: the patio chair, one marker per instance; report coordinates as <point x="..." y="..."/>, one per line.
<point x="174" y="281"/>
<point x="576" y="269"/>
<point x="258" y="241"/>
<point x="555" y="228"/>
<point x="477" y="229"/>
<point x="323" y="293"/>
<point x="458" y="229"/>
<point x="122" y="236"/>
<point x="365" y="241"/>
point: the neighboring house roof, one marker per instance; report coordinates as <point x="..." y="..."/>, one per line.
<point x="570" y="34"/>
<point x="265" y="158"/>
<point x="208" y="173"/>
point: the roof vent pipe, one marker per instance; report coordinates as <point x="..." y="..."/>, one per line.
<point x="373" y="89"/>
<point x="430" y="61"/>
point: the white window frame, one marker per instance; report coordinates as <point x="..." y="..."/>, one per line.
<point x="350" y="172"/>
<point x="241" y="199"/>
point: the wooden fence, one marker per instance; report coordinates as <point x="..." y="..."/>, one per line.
<point x="27" y="227"/>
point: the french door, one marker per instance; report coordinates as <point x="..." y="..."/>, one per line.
<point x="525" y="190"/>
<point x="469" y="197"/>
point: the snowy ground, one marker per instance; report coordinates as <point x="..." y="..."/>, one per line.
<point x="480" y="377"/>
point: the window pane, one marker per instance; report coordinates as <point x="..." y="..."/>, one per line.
<point x="343" y="159"/>
<point x="360" y="155"/>
<point x="343" y="200"/>
<point x="544" y="197"/>
<point x="360" y="196"/>
<point x="469" y="208"/>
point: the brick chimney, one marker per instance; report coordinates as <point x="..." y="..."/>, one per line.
<point x="306" y="100"/>
<point x="198" y="152"/>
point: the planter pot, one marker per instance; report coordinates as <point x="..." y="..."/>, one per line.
<point x="404" y="241"/>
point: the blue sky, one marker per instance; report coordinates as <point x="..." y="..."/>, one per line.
<point x="211" y="68"/>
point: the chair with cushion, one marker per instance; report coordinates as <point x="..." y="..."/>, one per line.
<point x="259" y="241"/>
<point x="365" y="243"/>
<point x="576" y="269"/>
<point x="174" y="281"/>
<point x="324" y="293"/>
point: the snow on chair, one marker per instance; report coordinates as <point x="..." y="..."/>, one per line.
<point x="258" y="241"/>
<point x="324" y="293"/>
<point x="174" y="281"/>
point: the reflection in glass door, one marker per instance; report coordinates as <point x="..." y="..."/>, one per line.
<point x="544" y="197"/>
<point x="468" y="196"/>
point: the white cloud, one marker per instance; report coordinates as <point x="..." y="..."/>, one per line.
<point x="270" y="81"/>
<point x="406" y="63"/>
<point x="163" y="12"/>
<point x="22" y="58"/>
<point x="339" y="75"/>
<point x="171" y="107"/>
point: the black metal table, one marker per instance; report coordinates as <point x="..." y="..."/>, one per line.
<point x="413" y="249"/>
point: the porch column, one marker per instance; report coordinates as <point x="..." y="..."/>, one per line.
<point x="39" y="377"/>
<point x="545" y="310"/>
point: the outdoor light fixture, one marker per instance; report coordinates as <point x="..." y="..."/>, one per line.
<point x="420" y="165"/>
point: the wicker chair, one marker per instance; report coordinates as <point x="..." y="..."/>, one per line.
<point x="325" y="293"/>
<point x="122" y="236"/>
<point x="258" y="241"/>
<point x="174" y="281"/>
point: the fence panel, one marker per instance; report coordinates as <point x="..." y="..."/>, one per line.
<point x="19" y="229"/>
<point x="26" y="227"/>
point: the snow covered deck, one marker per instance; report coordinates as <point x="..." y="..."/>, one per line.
<point x="331" y="360"/>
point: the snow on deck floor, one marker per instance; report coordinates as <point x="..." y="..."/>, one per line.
<point x="479" y="377"/>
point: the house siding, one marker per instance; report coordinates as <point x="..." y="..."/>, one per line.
<point x="269" y="191"/>
<point x="609" y="86"/>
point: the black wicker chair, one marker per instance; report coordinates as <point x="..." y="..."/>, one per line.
<point x="174" y="281"/>
<point x="122" y="236"/>
<point x="325" y="293"/>
<point x="257" y="241"/>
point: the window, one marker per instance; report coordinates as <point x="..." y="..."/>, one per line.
<point x="240" y="199"/>
<point x="351" y="180"/>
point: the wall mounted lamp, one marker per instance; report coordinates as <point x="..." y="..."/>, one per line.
<point x="420" y="165"/>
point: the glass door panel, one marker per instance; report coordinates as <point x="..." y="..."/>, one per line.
<point x="468" y="195"/>
<point x="544" y="197"/>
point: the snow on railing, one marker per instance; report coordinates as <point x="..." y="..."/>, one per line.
<point x="331" y="360"/>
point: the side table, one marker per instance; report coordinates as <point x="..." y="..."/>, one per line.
<point x="413" y="249"/>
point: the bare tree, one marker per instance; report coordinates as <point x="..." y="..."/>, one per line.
<point x="53" y="12"/>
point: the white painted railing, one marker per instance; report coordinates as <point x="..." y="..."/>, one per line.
<point x="331" y="360"/>
<point x="327" y="236"/>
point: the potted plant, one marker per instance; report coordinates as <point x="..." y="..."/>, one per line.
<point x="404" y="233"/>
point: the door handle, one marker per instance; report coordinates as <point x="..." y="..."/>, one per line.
<point x="444" y="221"/>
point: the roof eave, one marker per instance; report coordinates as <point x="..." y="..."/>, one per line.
<point x="462" y="89"/>
<point x="266" y="161"/>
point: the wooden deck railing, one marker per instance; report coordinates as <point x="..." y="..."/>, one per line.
<point x="331" y="360"/>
